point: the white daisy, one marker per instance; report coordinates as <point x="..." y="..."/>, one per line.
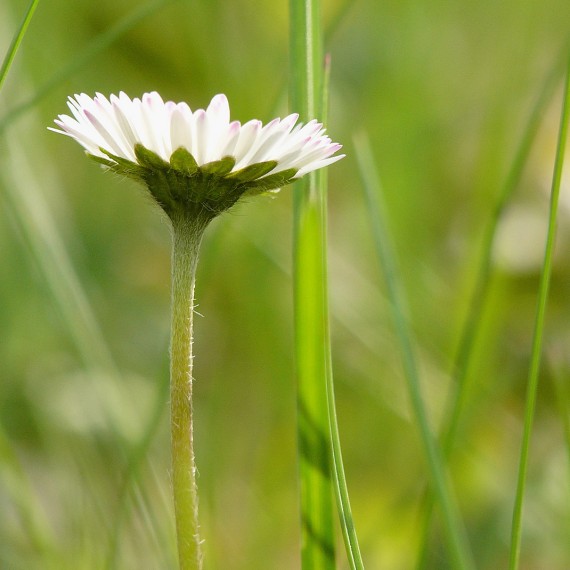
<point x="112" y="129"/>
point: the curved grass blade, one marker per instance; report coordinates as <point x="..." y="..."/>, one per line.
<point x="483" y="278"/>
<point x="455" y="407"/>
<point x="23" y="200"/>
<point x="18" y="37"/>
<point x="455" y="534"/>
<point x="316" y="495"/>
<point x="536" y="354"/>
<point x="102" y="42"/>
<point x="63" y="283"/>
<point x="36" y="527"/>
<point x="340" y="487"/>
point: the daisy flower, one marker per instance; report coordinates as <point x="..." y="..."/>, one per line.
<point x="195" y="159"/>
<point x="196" y="164"/>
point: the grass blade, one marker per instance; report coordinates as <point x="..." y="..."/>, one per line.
<point x="23" y="197"/>
<point x="480" y="294"/>
<point x="340" y="487"/>
<point x="457" y="541"/>
<point x="18" y="37"/>
<point x="93" y="348"/>
<point x="80" y="60"/>
<point x="455" y="407"/>
<point x="317" y="534"/>
<point x="532" y="387"/>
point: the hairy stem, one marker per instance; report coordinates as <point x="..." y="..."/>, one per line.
<point x="187" y="235"/>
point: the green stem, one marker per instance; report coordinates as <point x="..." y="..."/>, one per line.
<point x="310" y="304"/>
<point x="536" y="354"/>
<point x="187" y="235"/>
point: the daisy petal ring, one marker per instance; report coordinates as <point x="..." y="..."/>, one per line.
<point x="198" y="158"/>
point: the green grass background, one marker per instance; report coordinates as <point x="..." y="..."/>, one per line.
<point x="443" y="90"/>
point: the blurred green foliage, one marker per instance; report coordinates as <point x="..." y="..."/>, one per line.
<point x="443" y="89"/>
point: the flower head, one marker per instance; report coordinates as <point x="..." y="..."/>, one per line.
<point x="195" y="159"/>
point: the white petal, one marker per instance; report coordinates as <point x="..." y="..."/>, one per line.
<point x="86" y="142"/>
<point x="247" y="137"/>
<point x="231" y="139"/>
<point x="266" y="132"/>
<point x="111" y="142"/>
<point x="104" y="111"/>
<point x="219" y="109"/>
<point x="124" y="125"/>
<point x="200" y="136"/>
<point x="181" y="127"/>
<point x="318" y="164"/>
<point x="154" y="116"/>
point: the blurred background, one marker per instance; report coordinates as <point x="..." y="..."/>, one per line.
<point x="444" y="91"/>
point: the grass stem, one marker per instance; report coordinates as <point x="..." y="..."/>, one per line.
<point x="346" y="520"/>
<point x="16" y="41"/>
<point x="457" y="401"/>
<point x="536" y="354"/>
<point x="455" y="533"/>
<point x="310" y="304"/>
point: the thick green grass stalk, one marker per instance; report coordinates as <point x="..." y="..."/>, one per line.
<point x="456" y="404"/>
<point x="455" y="534"/>
<point x="310" y="300"/>
<point x="18" y="37"/>
<point x="536" y="354"/>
